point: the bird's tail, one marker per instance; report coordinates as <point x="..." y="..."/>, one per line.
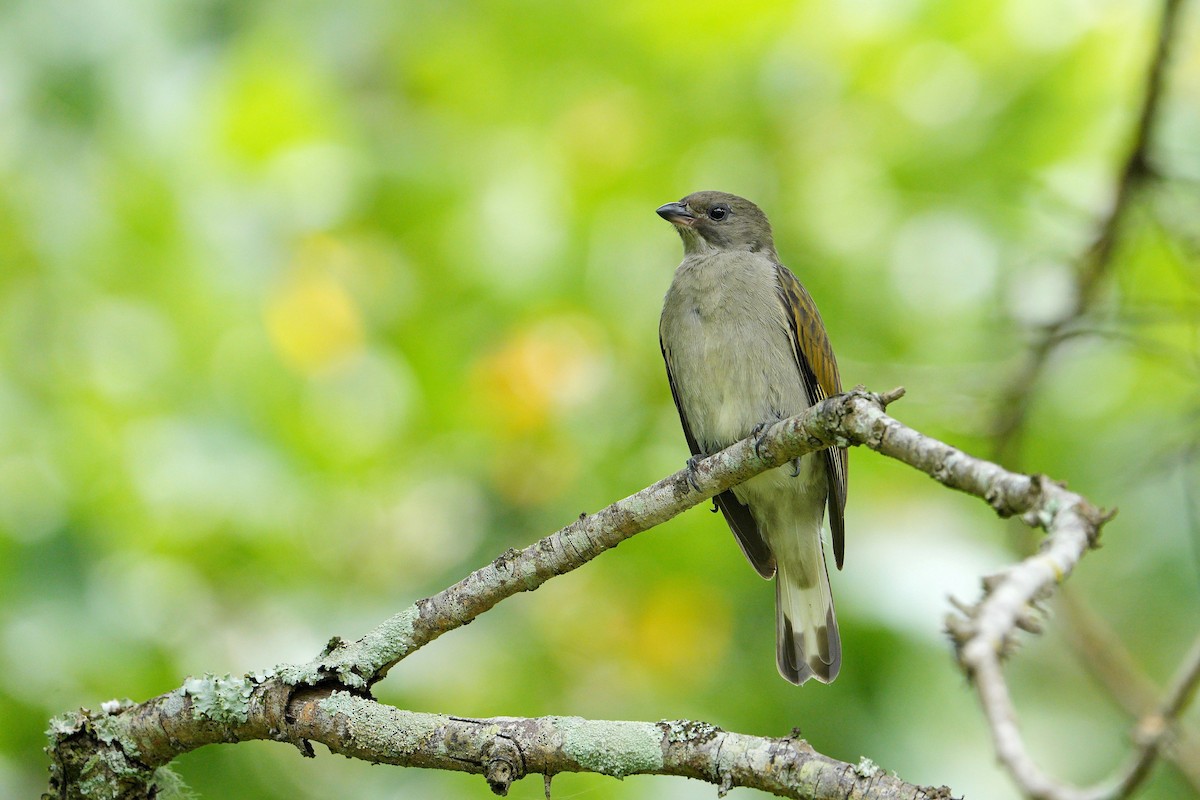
<point x="807" y="644"/>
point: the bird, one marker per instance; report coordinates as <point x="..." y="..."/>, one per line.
<point x="745" y="347"/>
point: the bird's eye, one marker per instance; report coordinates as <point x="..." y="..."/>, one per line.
<point x="718" y="213"/>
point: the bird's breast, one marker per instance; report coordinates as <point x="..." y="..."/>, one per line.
<point x="729" y="348"/>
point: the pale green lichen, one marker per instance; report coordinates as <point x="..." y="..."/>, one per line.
<point x="224" y="700"/>
<point x="340" y="703"/>
<point x="611" y="748"/>
<point x="348" y="675"/>
<point x="866" y="768"/>
<point x="393" y="638"/>
<point x="404" y="731"/>
<point x="299" y="674"/>
<point x="352" y="660"/>
<point x="396" y="633"/>
<point x="65" y="725"/>
<point x="101" y="773"/>
<point x="811" y="772"/>
<point x="173" y="703"/>
<point x="687" y="731"/>
<point x="530" y="579"/>
<point x="108" y="760"/>
<point x="109" y="729"/>
<point x="115" y="706"/>
<point x="171" y="785"/>
<point x="261" y="677"/>
<point x="108" y="768"/>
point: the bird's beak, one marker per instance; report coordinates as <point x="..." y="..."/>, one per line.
<point x="676" y="214"/>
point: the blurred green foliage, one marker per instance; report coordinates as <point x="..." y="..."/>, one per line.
<point x="307" y="309"/>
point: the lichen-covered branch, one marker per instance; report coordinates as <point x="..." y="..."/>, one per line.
<point x="360" y="663"/>
<point x="123" y="744"/>
<point x="502" y="749"/>
<point x="505" y="749"/>
<point x="983" y="633"/>
<point x="117" y="750"/>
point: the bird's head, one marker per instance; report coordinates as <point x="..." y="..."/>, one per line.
<point x="719" y="221"/>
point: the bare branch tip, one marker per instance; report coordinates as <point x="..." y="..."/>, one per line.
<point x="887" y="398"/>
<point x="958" y="624"/>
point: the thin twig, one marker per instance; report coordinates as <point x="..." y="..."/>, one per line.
<point x="1013" y="408"/>
<point x="1153" y="730"/>
<point x="1109" y="662"/>
<point x="1091" y="640"/>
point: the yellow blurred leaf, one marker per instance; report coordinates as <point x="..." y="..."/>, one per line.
<point x="682" y="631"/>
<point x="547" y="368"/>
<point x="313" y="322"/>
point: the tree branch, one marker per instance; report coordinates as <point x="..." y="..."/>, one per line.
<point x="505" y="749"/>
<point x="360" y="664"/>
<point x="1097" y="648"/>
<point x="1107" y="659"/>
<point x="1153" y="729"/>
<point x="121" y="746"/>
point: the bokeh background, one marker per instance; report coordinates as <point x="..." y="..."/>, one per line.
<point x="307" y="309"/>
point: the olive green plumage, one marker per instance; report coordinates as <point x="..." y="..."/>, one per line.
<point x="745" y="346"/>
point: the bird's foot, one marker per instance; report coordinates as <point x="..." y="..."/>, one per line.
<point x="692" y="464"/>
<point x="757" y="434"/>
<point x="795" y="468"/>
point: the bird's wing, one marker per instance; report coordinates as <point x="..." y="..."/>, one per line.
<point x="744" y="528"/>
<point x="818" y="368"/>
